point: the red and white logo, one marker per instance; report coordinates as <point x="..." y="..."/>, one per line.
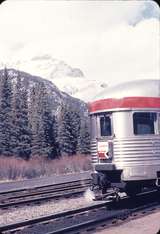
<point x="104" y="150"/>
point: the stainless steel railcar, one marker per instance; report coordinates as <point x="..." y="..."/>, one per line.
<point x="125" y="136"/>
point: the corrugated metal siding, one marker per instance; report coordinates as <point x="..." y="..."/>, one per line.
<point x="139" y="151"/>
<point x="94" y="151"/>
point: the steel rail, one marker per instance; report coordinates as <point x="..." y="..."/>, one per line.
<point x="39" y="196"/>
<point x="121" y="214"/>
<point x="88" y="223"/>
<point x="32" y="192"/>
<point x="44" y="186"/>
<point x="146" y="200"/>
<point x="40" y="199"/>
<point x="50" y="217"/>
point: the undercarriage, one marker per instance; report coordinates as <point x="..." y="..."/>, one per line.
<point x="108" y="184"/>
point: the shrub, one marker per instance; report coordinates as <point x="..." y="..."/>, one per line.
<point x="16" y="169"/>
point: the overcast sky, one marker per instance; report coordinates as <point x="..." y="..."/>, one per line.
<point x="107" y="40"/>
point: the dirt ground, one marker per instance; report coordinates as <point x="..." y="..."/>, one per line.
<point x="149" y="224"/>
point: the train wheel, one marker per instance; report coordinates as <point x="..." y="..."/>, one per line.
<point x="132" y="189"/>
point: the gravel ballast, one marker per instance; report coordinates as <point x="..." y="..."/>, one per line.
<point x="29" y="212"/>
<point x="149" y="224"/>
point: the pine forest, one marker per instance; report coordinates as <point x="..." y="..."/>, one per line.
<point x="38" y="120"/>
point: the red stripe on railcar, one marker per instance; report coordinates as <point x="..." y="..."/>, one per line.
<point x="127" y="102"/>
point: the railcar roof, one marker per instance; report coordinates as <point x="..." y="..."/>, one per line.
<point x="136" y="88"/>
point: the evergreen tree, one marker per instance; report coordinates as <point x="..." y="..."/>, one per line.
<point x="38" y="137"/>
<point x="48" y="122"/>
<point x="42" y="123"/>
<point x="75" y="128"/>
<point x="69" y="130"/>
<point x="84" y="138"/>
<point x="6" y="128"/>
<point x="22" y="134"/>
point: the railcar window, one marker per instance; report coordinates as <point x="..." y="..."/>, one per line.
<point x="105" y="126"/>
<point x="144" y="123"/>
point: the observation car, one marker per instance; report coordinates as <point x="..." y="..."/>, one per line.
<point x="125" y="136"/>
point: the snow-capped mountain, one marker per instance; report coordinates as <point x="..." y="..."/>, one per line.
<point x="57" y="97"/>
<point x="66" y="78"/>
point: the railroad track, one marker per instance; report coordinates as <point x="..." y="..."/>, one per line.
<point x="42" y="193"/>
<point x="88" y="218"/>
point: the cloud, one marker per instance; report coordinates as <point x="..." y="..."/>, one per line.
<point x="106" y="39"/>
<point x="132" y="52"/>
<point x="37" y="20"/>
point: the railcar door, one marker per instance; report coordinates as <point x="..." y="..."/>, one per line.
<point x="105" y="137"/>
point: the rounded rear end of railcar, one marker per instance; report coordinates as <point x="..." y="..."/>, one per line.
<point x="125" y="137"/>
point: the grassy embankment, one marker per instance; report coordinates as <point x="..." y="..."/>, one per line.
<point x="18" y="169"/>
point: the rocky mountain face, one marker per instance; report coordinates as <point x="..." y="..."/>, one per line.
<point x="66" y="78"/>
<point x="57" y="97"/>
<point x="37" y="119"/>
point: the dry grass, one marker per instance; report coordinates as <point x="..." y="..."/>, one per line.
<point x="17" y="169"/>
